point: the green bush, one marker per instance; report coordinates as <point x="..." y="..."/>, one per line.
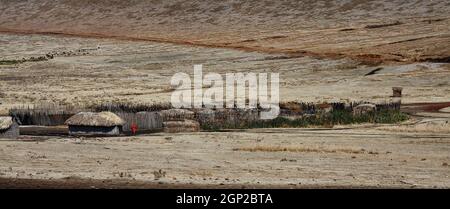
<point x="335" y="117"/>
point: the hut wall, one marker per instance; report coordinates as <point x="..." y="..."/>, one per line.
<point x="229" y="117"/>
<point x="177" y="115"/>
<point x="144" y="120"/>
<point x="94" y="130"/>
<point x="12" y="132"/>
<point x="181" y="126"/>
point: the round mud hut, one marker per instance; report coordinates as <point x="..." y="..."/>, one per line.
<point x="95" y="124"/>
<point x="179" y="120"/>
<point x="8" y="128"/>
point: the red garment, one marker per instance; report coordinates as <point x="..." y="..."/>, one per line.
<point x="134" y="128"/>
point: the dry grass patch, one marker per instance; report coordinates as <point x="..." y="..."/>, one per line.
<point x="429" y="126"/>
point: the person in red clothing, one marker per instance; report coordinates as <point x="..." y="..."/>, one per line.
<point x="134" y="128"/>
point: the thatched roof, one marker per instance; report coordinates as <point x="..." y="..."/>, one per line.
<point x="176" y="114"/>
<point x="184" y="123"/>
<point x="181" y="126"/>
<point x="106" y="119"/>
<point x="5" y="122"/>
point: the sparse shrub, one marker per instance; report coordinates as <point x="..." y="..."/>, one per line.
<point x="334" y="117"/>
<point x="10" y="62"/>
<point x="131" y="108"/>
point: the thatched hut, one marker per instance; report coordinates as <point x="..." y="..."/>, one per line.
<point x="177" y="115"/>
<point x="8" y="127"/>
<point x="95" y="124"/>
<point x="179" y="120"/>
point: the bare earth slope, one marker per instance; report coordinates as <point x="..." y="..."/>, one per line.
<point x="140" y="72"/>
<point x="376" y="31"/>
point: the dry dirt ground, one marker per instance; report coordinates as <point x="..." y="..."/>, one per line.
<point x="381" y="30"/>
<point x="275" y="158"/>
<point x="140" y="72"/>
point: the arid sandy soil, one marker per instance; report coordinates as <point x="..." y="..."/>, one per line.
<point x="404" y="42"/>
<point x="363" y="157"/>
<point x="140" y="71"/>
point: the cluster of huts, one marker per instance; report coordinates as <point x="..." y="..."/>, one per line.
<point x="171" y="120"/>
<point x="113" y="124"/>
